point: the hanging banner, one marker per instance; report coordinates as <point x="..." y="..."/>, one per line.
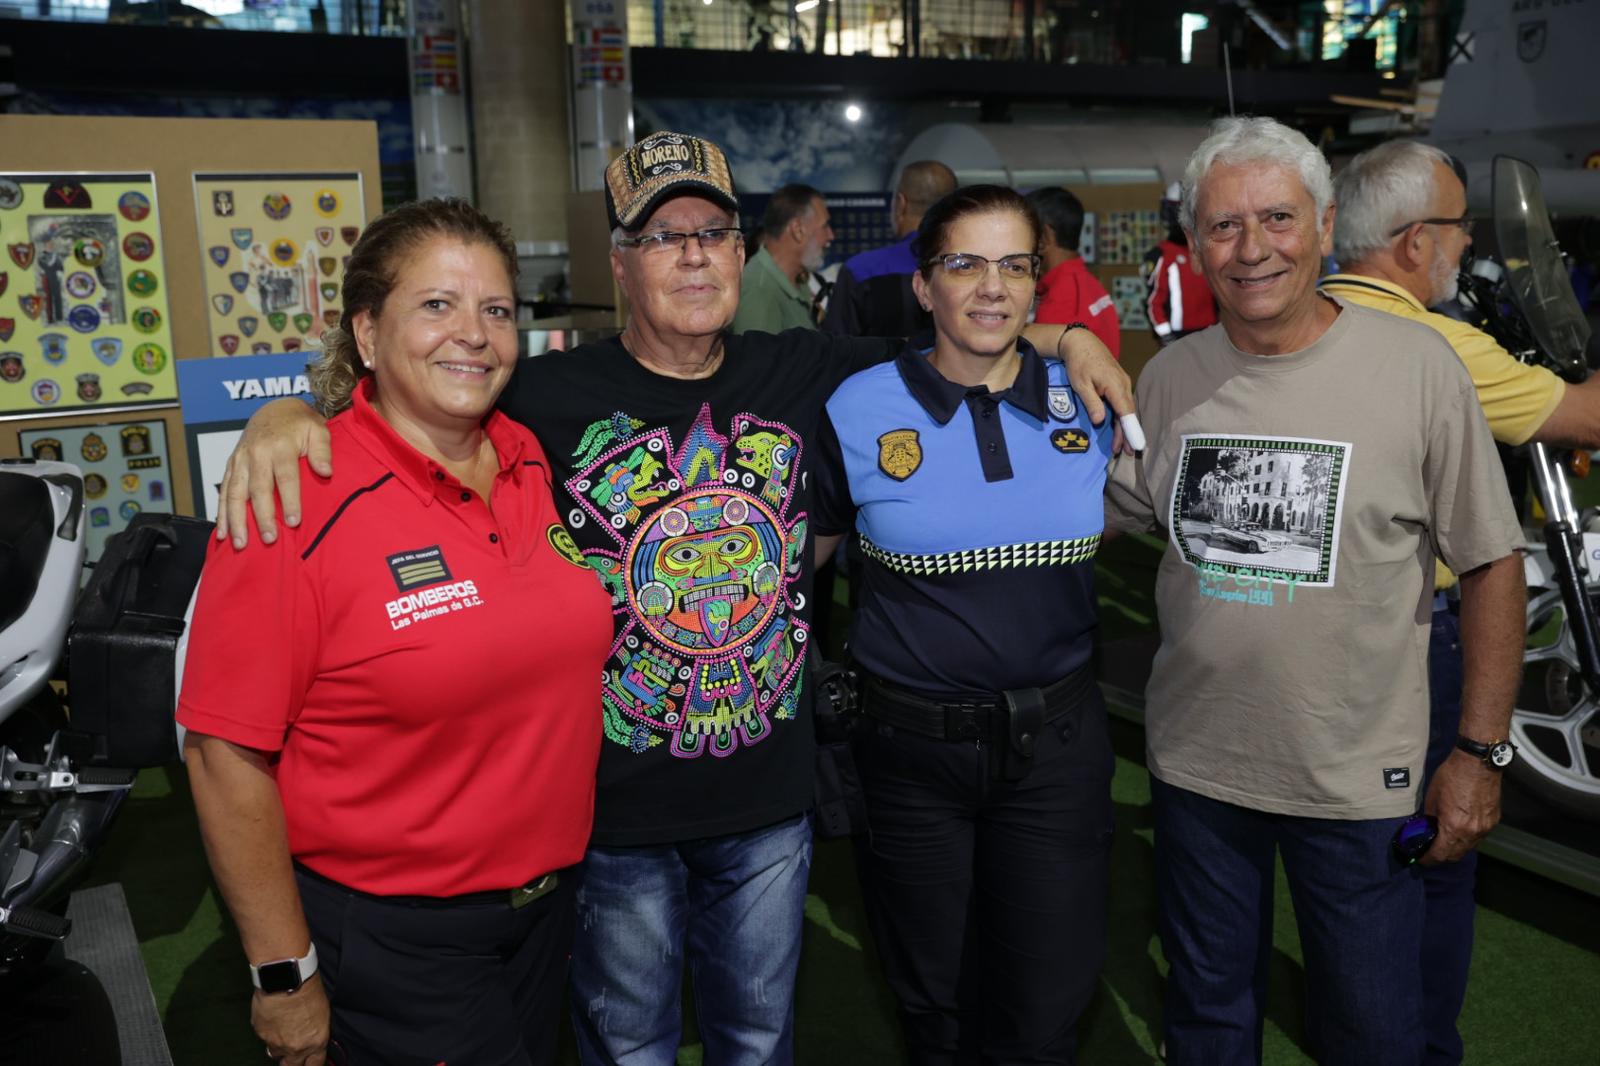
<point x="84" y="321"/>
<point x="219" y="396"/>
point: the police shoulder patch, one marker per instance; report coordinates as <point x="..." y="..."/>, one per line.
<point x="1070" y="440"/>
<point x="899" y="453"/>
<point x="1059" y="399"/>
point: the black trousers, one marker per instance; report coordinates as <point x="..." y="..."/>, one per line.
<point x="987" y="898"/>
<point x="417" y="982"/>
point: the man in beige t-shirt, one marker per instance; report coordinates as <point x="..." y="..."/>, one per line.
<point x="1308" y="459"/>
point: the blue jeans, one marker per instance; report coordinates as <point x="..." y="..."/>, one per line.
<point x="730" y="907"/>
<point x="1360" y="918"/>
<point x="1447" y="926"/>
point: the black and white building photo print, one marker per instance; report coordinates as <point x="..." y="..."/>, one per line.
<point x="1263" y="505"/>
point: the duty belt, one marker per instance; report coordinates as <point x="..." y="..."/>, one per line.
<point x="974" y="718"/>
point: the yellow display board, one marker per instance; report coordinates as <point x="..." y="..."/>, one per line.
<point x="275" y="245"/>
<point x="84" y="318"/>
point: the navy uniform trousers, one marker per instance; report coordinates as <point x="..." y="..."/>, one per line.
<point x="987" y="898"/>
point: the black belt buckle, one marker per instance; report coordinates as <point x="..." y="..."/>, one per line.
<point x="534" y="890"/>
<point x="1023" y="710"/>
<point x="963" y="721"/>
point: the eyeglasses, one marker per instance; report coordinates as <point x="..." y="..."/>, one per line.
<point x="708" y="239"/>
<point x="965" y="266"/>
<point x="1466" y="222"/>
<point x="1414" y="837"/>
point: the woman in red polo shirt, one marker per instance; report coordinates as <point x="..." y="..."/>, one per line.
<point x="392" y="710"/>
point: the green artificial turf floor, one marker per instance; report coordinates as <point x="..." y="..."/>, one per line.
<point x="1532" y="999"/>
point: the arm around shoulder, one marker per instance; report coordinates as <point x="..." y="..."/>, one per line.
<point x="266" y="462"/>
<point x="1095" y="375"/>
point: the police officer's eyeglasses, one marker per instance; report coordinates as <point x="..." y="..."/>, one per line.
<point x="709" y="239"/>
<point x="1466" y="223"/>
<point x="966" y="266"/>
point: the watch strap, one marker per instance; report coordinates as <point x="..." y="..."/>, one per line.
<point x="1486" y="751"/>
<point x="285" y="975"/>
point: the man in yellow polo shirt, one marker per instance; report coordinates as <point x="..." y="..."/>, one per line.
<point x="1401" y="228"/>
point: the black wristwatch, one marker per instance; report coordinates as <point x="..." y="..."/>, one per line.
<point x="285" y="975"/>
<point x="1496" y="754"/>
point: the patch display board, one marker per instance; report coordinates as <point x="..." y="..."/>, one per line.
<point x="1128" y="295"/>
<point x="127" y="468"/>
<point x="1127" y="235"/>
<point x="1126" y="226"/>
<point x="274" y="248"/>
<point x="84" y="318"/>
<point x="176" y="149"/>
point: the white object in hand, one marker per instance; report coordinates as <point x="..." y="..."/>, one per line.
<point x="1133" y="431"/>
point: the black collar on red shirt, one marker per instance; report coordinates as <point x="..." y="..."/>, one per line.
<point x="940" y="397"/>
<point x="416" y="471"/>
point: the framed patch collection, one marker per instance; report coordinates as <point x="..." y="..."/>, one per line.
<point x="127" y="468"/>
<point x="84" y="318"/>
<point x="275" y="247"/>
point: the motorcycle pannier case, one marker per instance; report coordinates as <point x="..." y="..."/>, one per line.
<point x="122" y="653"/>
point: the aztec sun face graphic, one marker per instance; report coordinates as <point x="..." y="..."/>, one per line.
<point x="707" y="571"/>
<point x="707" y="548"/>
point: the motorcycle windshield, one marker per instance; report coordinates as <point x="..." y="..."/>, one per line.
<point x="1536" y="272"/>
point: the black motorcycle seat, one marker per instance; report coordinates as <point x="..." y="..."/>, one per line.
<point x="27" y="522"/>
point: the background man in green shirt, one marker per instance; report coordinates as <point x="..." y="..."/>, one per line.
<point x="774" y="295"/>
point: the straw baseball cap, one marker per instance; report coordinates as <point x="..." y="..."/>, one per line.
<point x="662" y="166"/>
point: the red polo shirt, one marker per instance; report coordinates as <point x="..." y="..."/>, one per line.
<point x="1069" y="293"/>
<point x="425" y="671"/>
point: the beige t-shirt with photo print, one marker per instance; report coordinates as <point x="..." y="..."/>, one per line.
<point x="1305" y="497"/>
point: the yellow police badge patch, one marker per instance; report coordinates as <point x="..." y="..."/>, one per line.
<point x="565" y="546"/>
<point x="1070" y="440"/>
<point x="899" y="453"/>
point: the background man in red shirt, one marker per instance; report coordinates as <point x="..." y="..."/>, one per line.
<point x="1067" y="291"/>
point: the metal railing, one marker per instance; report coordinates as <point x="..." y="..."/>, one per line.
<point x="1051" y="31"/>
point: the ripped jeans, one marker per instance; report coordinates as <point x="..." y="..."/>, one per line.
<point x="731" y="907"/>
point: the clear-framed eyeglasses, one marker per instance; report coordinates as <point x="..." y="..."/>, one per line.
<point x="968" y="266"/>
<point x="669" y="240"/>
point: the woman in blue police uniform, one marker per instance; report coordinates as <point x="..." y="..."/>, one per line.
<point x="974" y="480"/>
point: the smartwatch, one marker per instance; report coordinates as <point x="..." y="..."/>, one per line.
<point x="1496" y="754"/>
<point x="285" y="975"/>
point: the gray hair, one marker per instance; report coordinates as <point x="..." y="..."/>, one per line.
<point x="1253" y="139"/>
<point x="1380" y="189"/>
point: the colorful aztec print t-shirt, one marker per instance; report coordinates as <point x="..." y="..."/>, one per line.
<point x="690" y="499"/>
